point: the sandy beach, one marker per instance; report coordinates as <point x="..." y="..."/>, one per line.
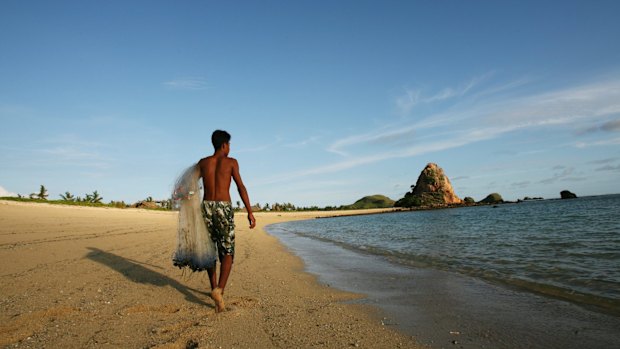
<point x="80" y="277"/>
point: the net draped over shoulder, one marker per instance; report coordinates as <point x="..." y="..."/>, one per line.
<point x="195" y="249"/>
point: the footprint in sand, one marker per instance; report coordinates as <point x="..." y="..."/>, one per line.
<point x="145" y="308"/>
<point x="242" y="302"/>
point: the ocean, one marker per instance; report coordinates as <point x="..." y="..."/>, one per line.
<point x="565" y="250"/>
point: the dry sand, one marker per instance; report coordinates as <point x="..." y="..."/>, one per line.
<point x="80" y="277"/>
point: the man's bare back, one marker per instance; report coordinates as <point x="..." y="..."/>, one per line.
<point x="216" y="173"/>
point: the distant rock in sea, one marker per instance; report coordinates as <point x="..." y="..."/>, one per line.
<point x="493" y="198"/>
<point x="433" y="188"/>
<point x="373" y="201"/>
<point x="565" y="194"/>
<point x="469" y="200"/>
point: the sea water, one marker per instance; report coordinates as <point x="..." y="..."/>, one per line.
<point x="567" y="249"/>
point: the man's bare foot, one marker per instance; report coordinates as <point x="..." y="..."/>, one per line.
<point x="217" y="296"/>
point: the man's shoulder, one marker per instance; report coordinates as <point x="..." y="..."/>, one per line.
<point x="231" y="161"/>
<point x="205" y="159"/>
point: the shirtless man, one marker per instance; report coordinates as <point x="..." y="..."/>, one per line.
<point x="216" y="172"/>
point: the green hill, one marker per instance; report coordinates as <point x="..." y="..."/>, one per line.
<point x="373" y="201"/>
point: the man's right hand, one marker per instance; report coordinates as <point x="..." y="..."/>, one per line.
<point x="252" y="220"/>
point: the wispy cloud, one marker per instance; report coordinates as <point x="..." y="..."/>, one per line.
<point x="486" y="119"/>
<point x="412" y="97"/>
<point x="304" y="142"/>
<point x="187" y="83"/>
<point x="521" y="185"/>
<point x="603" y="161"/>
<point x="608" y="168"/>
<point x="458" y="178"/>
<point x="565" y="174"/>
<point x="604" y="142"/>
<point x="387" y="136"/>
<point x="72" y="150"/>
<point x="5" y="193"/>
<point x="609" y="126"/>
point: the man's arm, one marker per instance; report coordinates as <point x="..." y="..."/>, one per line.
<point x="243" y="193"/>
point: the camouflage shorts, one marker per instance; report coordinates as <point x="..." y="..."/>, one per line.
<point x="220" y="219"/>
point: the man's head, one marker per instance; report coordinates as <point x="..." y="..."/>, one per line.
<point x="219" y="138"/>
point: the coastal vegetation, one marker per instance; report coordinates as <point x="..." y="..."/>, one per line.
<point x="93" y="199"/>
<point x="431" y="191"/>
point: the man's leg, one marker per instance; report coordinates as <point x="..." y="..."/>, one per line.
<point x="225" y="267"/>
<point x="216" y="291"/>
<point x="212" y="277"/>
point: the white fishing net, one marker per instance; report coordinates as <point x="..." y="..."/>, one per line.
<point x="195" y="249"/>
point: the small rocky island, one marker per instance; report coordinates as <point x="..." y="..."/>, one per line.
<point x="432" y="189"/>
<point x="565" y="194"/>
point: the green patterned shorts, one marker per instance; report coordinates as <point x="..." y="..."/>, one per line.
<point x="220" y="219"/>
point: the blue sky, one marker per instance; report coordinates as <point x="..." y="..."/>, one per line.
<point x="326" y="101"/>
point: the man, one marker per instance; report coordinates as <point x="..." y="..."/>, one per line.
<point x="216" y="172"/>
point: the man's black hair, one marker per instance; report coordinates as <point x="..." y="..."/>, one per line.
<point x="219" y="137"/>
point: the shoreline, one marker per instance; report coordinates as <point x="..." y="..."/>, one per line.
<point x="441" y="307"/>
<point x="82" y="277"/>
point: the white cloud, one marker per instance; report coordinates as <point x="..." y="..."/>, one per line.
<point x="303" y="143"/>
<point x="412" y="97"/>
<point x="187" y="83"/>
<point x="605" y="142"/>
<point x="4" y="192"/>
<point x="371" y="137"/>
<point x="484" y="120"/>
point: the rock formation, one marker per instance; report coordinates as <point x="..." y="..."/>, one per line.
<point x="493" y="198"/>
<point x="565" y="194"/>
<point x="433" y="188"/>
<point x="373" y="201"/>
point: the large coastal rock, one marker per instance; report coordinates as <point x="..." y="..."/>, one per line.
<point x="565" y="194"/>
<point x="433" y="188"/>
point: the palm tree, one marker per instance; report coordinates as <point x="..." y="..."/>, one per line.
<point x="238" y="205"/>
<point x="95" y="198"/>
<point x="67" y="197"/>
<point x="42" y="193"/>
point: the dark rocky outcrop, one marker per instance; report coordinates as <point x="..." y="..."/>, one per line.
<point x="565" y="194"/>
<point x="493" y="198"/>
<point x="432" y="188"/>
<point x="146" y="204"/>
<point x="469" y="200"/>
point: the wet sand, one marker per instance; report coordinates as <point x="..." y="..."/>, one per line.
<point x="81" y="277"/>
<point x="449" y="310"/>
